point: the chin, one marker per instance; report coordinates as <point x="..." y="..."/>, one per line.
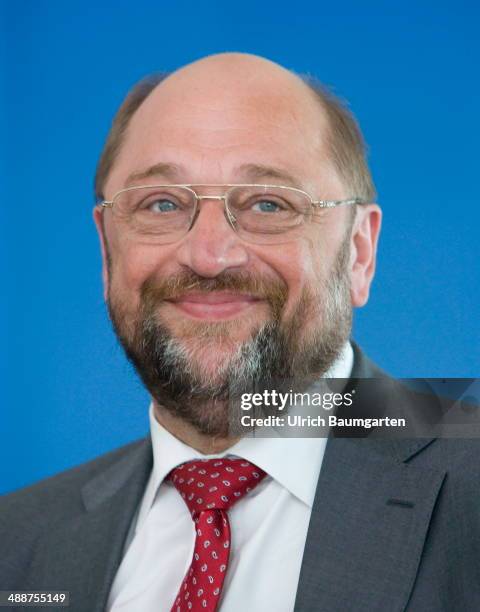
<point x="209" y="367"/>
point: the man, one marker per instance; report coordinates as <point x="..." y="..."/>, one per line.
<point x="237" y="226"/>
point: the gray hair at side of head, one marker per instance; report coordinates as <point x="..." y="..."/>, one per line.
<point x="134" y="99"/>
<point x="348" y="149"/>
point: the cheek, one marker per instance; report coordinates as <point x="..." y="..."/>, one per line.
<point x="300" y="265"/>
<point x="132" y="264"/>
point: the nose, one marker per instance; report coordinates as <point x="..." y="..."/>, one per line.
<point x="212" y="245"/>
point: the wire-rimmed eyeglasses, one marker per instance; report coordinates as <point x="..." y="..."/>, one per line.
<point x="258" y="213"/>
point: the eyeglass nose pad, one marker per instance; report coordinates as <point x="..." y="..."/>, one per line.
<point x="194" y="218"/>
<point x="230" y="217"/>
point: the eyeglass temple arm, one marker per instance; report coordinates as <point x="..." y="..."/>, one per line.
<point x="334" y="203"/>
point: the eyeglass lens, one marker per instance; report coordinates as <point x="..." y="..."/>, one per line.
<point x="257" y="213"/>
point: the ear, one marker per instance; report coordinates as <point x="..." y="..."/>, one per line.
<point x="365" y="234"/>
<point x="99" y="223"/>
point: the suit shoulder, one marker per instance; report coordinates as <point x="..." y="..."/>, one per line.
<point x="32" y="513"/>
<point x="64" y="487"/>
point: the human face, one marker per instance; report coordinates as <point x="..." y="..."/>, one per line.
<point x="231" y="136"/>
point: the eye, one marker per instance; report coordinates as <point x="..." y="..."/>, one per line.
<point x="267" y="206"/>
<point x="161" y="205"/>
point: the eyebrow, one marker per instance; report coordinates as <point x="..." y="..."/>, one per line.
<point x="252" y="172"/>
<point x="256" y="172"/>
<point x="162" y="169"/>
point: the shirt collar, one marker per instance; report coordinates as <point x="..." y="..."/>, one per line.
<point x="284" y="459"/>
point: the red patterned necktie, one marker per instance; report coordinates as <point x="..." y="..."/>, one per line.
<point x="210" y="487"/>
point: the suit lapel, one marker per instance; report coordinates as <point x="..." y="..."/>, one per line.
<point x="83" y="554"/>
<point x="368" y="526"/>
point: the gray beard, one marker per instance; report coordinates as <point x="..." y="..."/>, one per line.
<point x="275" y="357"/>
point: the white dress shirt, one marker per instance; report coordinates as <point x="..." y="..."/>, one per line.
<point x="269" y="526"/>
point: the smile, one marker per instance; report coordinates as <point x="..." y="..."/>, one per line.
<point x="214" y="305"/>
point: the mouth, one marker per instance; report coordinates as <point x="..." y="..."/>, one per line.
<point x="214" y="305"/>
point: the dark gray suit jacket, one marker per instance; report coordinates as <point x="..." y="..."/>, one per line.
<point x="395" y="525"/>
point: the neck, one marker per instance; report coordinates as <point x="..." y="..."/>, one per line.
<point x="186" y="433"/>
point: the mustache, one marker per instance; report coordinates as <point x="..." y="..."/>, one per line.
<point x="274" y="291"/>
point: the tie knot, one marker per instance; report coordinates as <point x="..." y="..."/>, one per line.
<point x="207" y="484"/>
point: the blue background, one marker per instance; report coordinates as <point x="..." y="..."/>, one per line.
<point x="410" y="72"/>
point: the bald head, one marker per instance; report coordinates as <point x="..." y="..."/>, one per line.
<point x="238" y="74"/>
<point x="234" y="67"/>
<point x="226" y="103"/>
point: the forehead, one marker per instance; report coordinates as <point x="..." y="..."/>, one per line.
<point x="213" y="125"/>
